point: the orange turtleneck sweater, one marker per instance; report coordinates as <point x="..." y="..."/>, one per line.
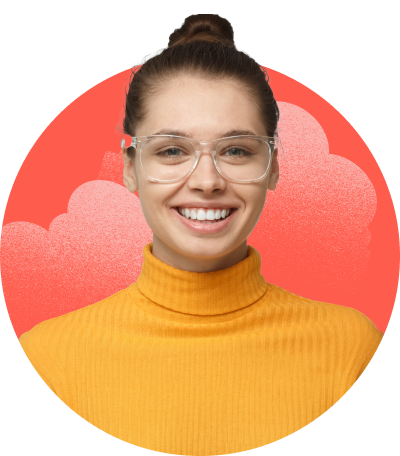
<point x="202" y="363"/>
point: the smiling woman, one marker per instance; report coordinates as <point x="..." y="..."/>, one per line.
<point x="201" y="355"/>
<point x="204" y="174"/>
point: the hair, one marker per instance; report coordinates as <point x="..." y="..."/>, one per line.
<point x="203" y="47"/>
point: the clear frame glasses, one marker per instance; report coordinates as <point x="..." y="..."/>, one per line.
<point x="169" y="158"/>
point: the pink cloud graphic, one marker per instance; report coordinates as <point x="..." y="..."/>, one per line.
<point x="312" y="235"/>
<point x="89" y="253"/>
<point x="313" y="231"/>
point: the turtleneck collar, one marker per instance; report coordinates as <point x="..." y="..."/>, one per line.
<point x="205" y="293"/>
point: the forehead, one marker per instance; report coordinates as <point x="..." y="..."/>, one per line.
<point x="204" y="109"/>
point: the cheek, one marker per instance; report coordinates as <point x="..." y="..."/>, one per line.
<point x="254" y="198"/>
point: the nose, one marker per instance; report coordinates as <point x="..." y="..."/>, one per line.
<point x="206" y="174"/>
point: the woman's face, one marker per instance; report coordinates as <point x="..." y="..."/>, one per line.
<point x="203" y="110"/>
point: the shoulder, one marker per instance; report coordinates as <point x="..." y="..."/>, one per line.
<point x="343" y="333"/>
<point x="50" y="336"/>
<point x="51" y="344"/>
<point x="345" y="319"/>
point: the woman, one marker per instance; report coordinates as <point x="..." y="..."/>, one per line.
<point x="201" y="356"/>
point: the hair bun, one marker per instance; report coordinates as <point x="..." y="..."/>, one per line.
<point x="203" y="27"/>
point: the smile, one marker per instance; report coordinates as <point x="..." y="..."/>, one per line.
<point x="204" y="214"/>
<point x="199" y="223"/>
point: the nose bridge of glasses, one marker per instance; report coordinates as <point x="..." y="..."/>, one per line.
<point x="206" y="147"/>
<point x="205" y="150"/>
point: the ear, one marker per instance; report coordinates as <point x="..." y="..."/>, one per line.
<point x="129" y="173"/>
<point x="274" y="172"/>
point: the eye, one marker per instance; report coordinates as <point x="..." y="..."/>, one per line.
<point x="238" y="152"/>
<point x="172" y="152"/>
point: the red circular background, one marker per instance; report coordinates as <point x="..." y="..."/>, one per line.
<point x="328" y="233"/>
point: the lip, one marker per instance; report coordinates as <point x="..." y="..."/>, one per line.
<point x="204" y="228"/>
<point x="217" y="205"/>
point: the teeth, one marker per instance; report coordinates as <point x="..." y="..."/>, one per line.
<point x="209" y="215"/>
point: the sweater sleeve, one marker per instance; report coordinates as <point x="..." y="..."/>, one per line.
<point x="34" y="348"/>
<point x="369" y="339"/>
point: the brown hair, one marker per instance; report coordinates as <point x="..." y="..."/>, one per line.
<point x="203" y="47"/>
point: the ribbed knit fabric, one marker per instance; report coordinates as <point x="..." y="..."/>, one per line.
<point x="202" y="363"/>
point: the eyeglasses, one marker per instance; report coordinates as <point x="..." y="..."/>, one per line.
<point x="169" y="158"/>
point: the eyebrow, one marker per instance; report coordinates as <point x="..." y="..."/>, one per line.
<point x="221" y="135"/>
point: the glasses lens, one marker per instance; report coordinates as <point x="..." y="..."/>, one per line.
<point x="243" y="159"/>
<point x="167" y="158"/>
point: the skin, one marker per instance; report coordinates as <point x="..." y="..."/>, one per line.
<point x="203" y="109"/>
